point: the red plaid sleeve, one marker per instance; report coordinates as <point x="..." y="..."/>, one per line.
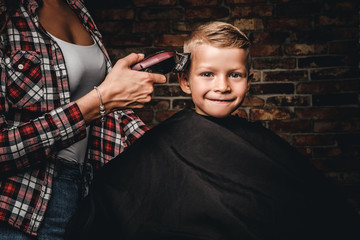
<point x="29" y="143"/>
<point x="112" y="137"/>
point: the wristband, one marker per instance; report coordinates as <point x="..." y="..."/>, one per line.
<point x="102" y="107"/>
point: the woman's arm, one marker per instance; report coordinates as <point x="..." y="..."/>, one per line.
<point x="26" y="144"/>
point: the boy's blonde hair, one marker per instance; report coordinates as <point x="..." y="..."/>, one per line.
<point x="220" y="35"/>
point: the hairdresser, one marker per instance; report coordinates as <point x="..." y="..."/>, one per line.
<point x="63" y="110"/>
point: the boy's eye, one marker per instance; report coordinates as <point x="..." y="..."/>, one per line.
<point x="207" y="74"/>
<point x="236" y="75"/>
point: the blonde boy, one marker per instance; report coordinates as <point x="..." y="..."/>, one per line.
<point x="219" y="77"/>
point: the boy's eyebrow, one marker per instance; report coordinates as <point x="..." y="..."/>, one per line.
<point x="210" y="67"/>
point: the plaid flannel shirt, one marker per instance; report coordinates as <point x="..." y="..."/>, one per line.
<point x="37" y="118"/>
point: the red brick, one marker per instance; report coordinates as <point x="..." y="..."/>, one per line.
<point x="116" y="53"/>
<point x="151" y="27"/>
<point x="326" y="152"/>
<point x="318" y="87"/>
<point x="146" y="115"/>
<point x="161" y="13"/>
<point x="173" y="78"/>
<point x="114" y="27"/>
<point x="344" y="177"/>
<point x="269" y="37"/>
<point x="343" y="6"/>
<point x="170" y="40"/>
<point x="256" y="76"/>
<point x="285" y="76"/>
<point x="336" y="160"/>
<point x="323" y="35"/>
<point x="349" y="141"/>
<point x="274" y="63"/>
<point x="334" y="73"/>
<point x="240" y="113"/>
<point x="206" y="13"/>
<point x="305" y="151"/>
<point x="252" y="11"/>
<point x="288" y="101"/>
<point x="327" y="113"/>
<point x="130" y="40"/>
<point x="115" y="14"/>
<point x="150" y="3"/>
<point x="181" y="26"/>
<point x="322" y="61"/>
<point x="272" y="88"/>
<point x="269" y="114"/>
<point x="282" y="24"/>
<point x="348" y="20"/>
<point x="344" y="33"/>
<point x="337" y="126"/>
<point x="197" y="3"/>
<point x="252" y="101"/>
<point x="313" y="140"/>
<point x="163" y="115"/>
<point x="335" y="99"/>
<point x="319" y="165"/>
<point x="286" y="137"/>
<point x="183" y="103"/>
<point x="290" y="126"/>
<point x="305" y="49"/>
<point x="168" y="91"/>
<point x="158" y="104"/>
<point x="297" y="9"/>
<point x="243" y="1"/>
<point x="310" y="36"/>
<point x="343" y="47"/>
<point x="265" y="50"/>
<point x="351" y="85"/>
<point x="249" y="24"/>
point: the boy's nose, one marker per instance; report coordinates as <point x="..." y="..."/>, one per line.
<point x="221" y="84"/>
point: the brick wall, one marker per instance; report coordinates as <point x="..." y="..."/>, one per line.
<point x="305" y="59"/>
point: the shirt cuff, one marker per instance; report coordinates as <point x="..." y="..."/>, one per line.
<point x="69" y="122"/>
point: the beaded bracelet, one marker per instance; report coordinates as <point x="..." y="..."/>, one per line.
<point x="102" y="107"/>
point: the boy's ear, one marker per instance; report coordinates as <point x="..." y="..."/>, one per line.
<point x="250" y="78"/>
<point x="184" y="82"/>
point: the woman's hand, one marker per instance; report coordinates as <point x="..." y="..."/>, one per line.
<point x="122" y="88"/>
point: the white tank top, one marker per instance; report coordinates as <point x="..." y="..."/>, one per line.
<point x="86" y="68"/>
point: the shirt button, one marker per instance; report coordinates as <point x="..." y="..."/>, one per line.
<point x="7" y="60"/>
<point x="20" y="67"/>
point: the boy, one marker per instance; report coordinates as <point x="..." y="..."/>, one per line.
<point x="218" y="78"/>
<point x="205" y="174"/>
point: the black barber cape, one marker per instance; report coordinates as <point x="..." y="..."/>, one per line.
<point x="195" y="177"/>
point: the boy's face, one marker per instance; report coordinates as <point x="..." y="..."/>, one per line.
<point x="218" y="80"/>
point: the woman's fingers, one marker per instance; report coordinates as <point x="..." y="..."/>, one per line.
<point x="158" y="78"/>
<point x="130" y="59"/>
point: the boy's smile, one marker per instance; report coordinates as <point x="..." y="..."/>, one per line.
<point x="218" y="80"/>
